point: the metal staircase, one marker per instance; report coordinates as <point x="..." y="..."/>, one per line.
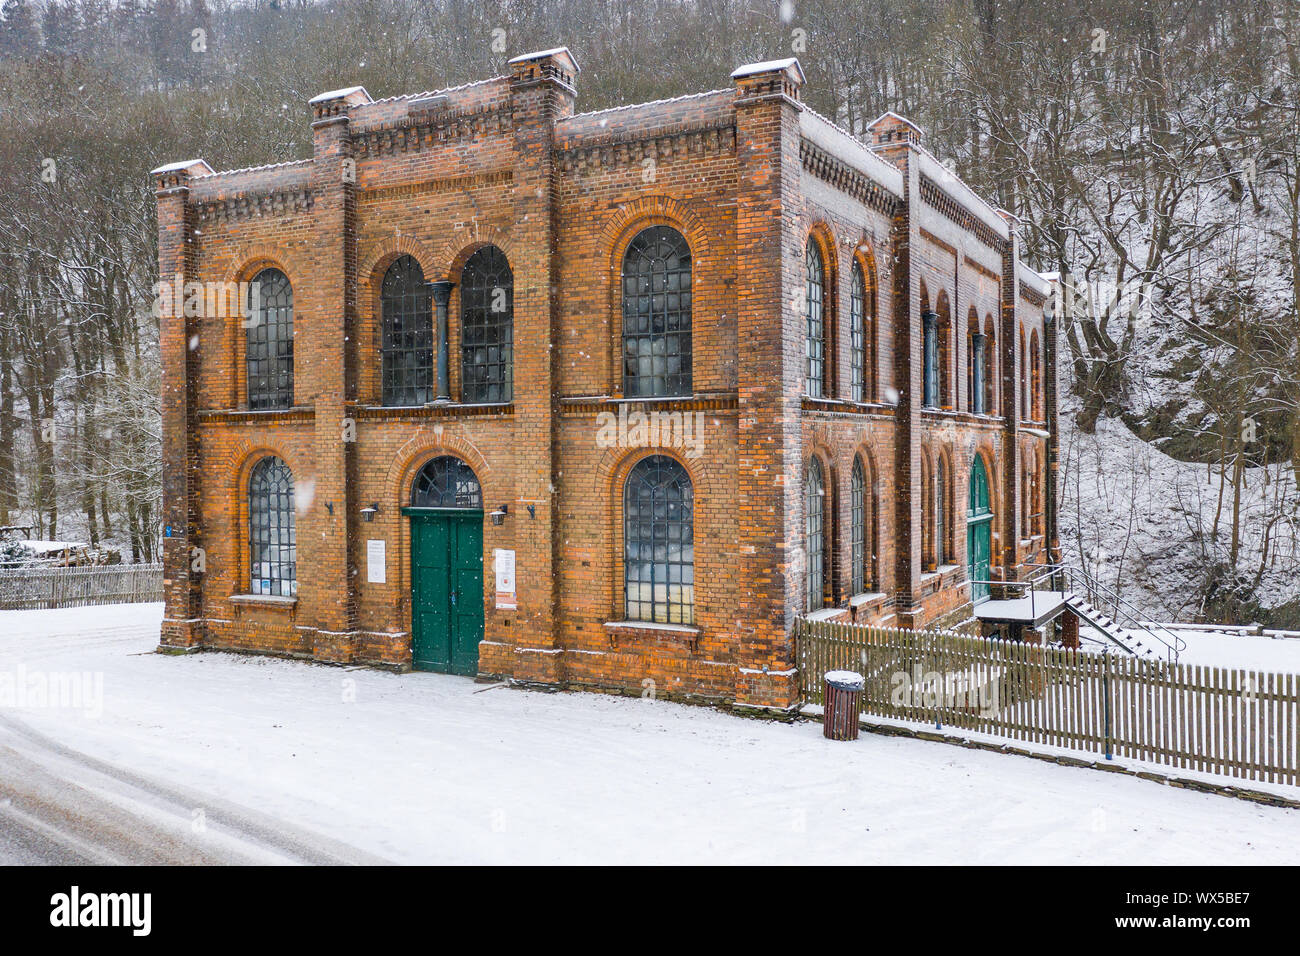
<point x="1102" y="608"/>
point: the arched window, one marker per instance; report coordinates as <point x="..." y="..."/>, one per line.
<point x="943" y="515"/>
<point x="487" y="292"/>
<point x="814" y="512"/>
<point x="446" y="482"/>
<point x="857" y="334"/>
<point x="860" y="511"/>
<point x="815" y="307"/>
<point x="1024" y="377"/>
<point x="273" y="548"/>
<point x="990" y="368"/>
<point x="927" y="514"/>
<point x="406" y="353"/>
<point x="1035" y="377"/>
<point x="929" y="353"/>
<point x="657" y="314"/>
<point x="270" y="341"/>
<point x="976" y="365"/>
<point x="659" y="542"/>
<point x="945" y="396"/>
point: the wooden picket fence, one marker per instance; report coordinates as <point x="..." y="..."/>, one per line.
<point x="33" y="588"/>
<point x="1237" y="723"/>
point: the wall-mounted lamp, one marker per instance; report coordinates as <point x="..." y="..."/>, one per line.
<point x="368" y="514"/>
<point x="499" y="515"/>
<point x="532" y="511"/>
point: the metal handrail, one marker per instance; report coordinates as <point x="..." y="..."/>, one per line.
<point x="1174" y="646"/>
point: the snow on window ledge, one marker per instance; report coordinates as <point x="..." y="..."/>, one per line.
<point x="266" y="600"/>
<point x="667" y="630"/>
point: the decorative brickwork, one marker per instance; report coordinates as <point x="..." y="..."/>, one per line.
<point x="748" y="178"/>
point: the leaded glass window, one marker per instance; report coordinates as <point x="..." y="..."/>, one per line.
<point x="659" y="542"/>
<point x="930" y="359"/>
<point x="814" y="511"/>
<point x="273" y="547"/>
<point x="858" y="513"/>
<point x="857" y="333"/>
<point x="406" y="353"/>
<point x="446" y="482"/>
<point x="269" y="354"/>
<point x="815" y="309"/>
<point x="487" y="290"/>
<point x="943" y="527"/>
<point x="657" y="314"/>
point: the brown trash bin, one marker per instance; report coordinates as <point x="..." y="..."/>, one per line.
<point x="843" y="703"/>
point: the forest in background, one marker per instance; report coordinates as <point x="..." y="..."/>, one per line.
<point x="1150" y="147"/>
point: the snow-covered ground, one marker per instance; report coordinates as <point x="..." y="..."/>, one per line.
<point x="429" y="768"/>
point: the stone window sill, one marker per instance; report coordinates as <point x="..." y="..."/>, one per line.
<point x="824" y="614"/>
<point x="264" y="600"/>
<point x="866" y="597"/>
<point x="659" y="630"/>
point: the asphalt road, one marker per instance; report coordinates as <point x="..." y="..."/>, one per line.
<point x="59" y="806"/>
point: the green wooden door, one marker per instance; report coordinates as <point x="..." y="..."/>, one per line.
<point x="979" y="529"/>
<point x="446" y="589"/>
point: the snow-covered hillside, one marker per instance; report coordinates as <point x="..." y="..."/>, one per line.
<point x="1160" y="530"/>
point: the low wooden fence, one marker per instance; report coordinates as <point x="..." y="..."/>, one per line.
<point x="32" y="588"/>
<point x="1232" y="722"/>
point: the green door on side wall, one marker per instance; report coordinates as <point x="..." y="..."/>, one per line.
<point x="446" y="589"/>
<point x="979" y="529"/>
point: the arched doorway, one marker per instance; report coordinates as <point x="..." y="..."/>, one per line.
<point x="979" y="530"/>
<point x="446" y="513"/>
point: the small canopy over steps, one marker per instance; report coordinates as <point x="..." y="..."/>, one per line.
<point x="1052" y="590"/>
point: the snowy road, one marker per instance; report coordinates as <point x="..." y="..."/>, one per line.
<point x="58" y="806"/>
<point x="288" y="761"/>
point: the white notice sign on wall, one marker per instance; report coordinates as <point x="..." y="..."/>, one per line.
<point x="504" y="562"/>
<point x="376" y="569"/>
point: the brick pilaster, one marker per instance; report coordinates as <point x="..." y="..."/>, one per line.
<point x="327" y="524"/>
<point x="1008" y="520"/>
<point x="542" y="92"/>
<point x="770" y="323"/>
<point x="181" y="627"/>
<point x="896" y="139"/>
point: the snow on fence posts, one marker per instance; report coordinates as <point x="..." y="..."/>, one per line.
<point x="38" y="588"/>
<point x="1236" y="723"/>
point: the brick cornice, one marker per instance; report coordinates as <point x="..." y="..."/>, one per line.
<point x="935" y="197"/>
<point x="429" y="130"/>
<point x="274" y="202"/>
<point x="626" y="148"/>
<point x="845" y="178"/>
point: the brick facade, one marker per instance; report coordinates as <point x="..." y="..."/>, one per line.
<point x="749" y="176"/>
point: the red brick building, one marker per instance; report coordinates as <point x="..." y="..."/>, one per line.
<point x="593" y="399"/>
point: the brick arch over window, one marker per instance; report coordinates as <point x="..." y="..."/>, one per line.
<point x="992" y="367"/>
<point x="947" y="397"/>
<point x="821" y="242"/>
<point x="230" y="332"/>
<point x="927" y="354"/>
<point x="864" y="269"/>
<point x="485" y="317"/>
<point x="1035" y="377"/>
<point x="945" y="524"/>
<point x="876" y="514"/>
<point x="609" y="478"/>
<point x="370" y="285"/>
<point x="238" y="469"/>
<point x="818" y="512"/>
<point x="616" y="234"/>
